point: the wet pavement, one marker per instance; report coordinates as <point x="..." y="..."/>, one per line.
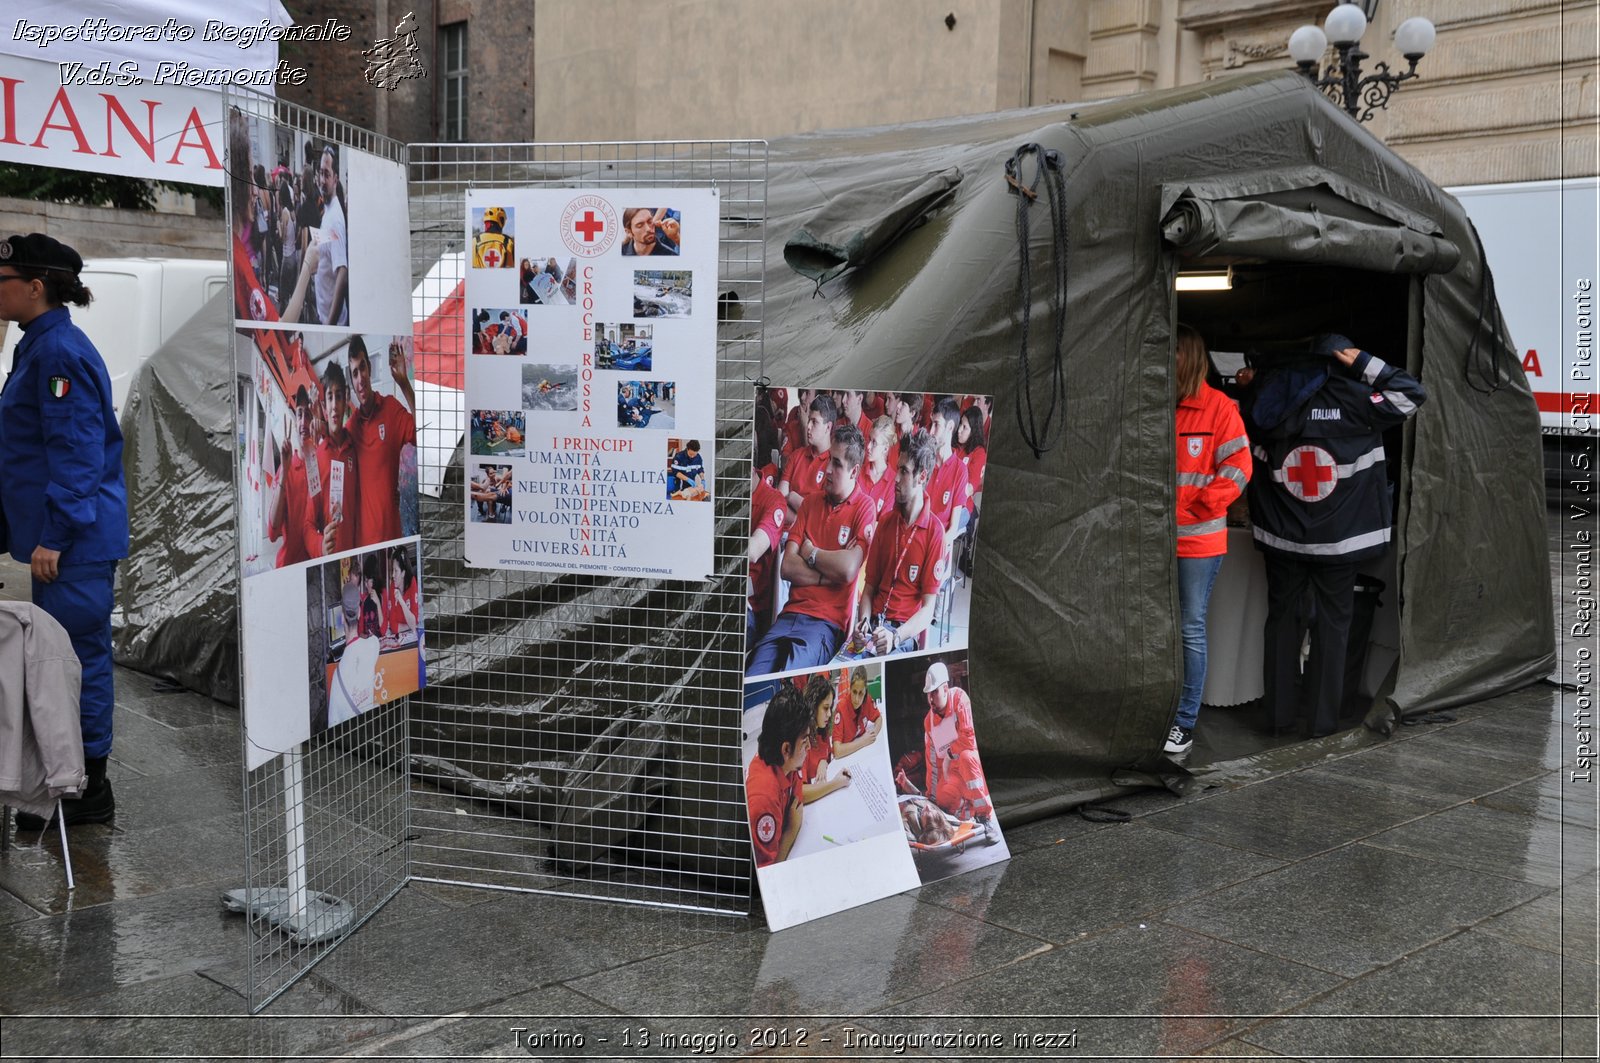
<point x="1429" y="896"/>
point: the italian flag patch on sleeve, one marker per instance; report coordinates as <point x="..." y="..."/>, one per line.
<point x="59" y="386"/>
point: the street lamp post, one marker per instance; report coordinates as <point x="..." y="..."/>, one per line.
<point x="1342" y="81"/>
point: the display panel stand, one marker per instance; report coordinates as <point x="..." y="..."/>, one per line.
<point x="596" y="720"/>
<point x="307" y="917"/>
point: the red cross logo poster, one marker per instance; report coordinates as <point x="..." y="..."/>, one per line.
<point x="1310" y="473"/>
<point x="589" y="226"/>
<point x="590" y="358"/>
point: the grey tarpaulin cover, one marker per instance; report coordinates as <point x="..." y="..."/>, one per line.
<point x="1075" y="654"/>
<point x="176" y="590"/>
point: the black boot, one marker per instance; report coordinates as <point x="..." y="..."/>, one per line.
<point x="95" y="805"/>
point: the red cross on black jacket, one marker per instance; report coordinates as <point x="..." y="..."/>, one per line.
<point x="1320" y="492"/>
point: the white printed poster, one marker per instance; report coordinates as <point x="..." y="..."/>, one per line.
<point x="326" y="447"/>
<point x="863" y="776"/>
<point x="591" y="380"/>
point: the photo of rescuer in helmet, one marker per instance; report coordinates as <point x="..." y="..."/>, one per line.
<point x="493" y="240"/>
<point x="944" y="797"/>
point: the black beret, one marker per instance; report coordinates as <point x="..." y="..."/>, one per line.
<point x="38" y="251"/>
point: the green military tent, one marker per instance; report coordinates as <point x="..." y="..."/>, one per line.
<point x="894" y="264"/>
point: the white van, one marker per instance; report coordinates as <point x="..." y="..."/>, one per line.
<point x="1540" y="239"/>
<point x="138" y="304"/>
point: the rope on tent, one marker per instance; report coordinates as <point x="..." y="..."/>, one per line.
<point x="1486" y="303"/>
<point x="1041" y="437"/>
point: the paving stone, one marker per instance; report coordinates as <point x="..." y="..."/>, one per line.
<point x="463" y="959"/>
<point x="1101" y="986"/>
<point x="1541" y="851"/>
<point x="93" y="951"/>
<point x="1388" y="1012"/>
<point x="1353" y="909"/>
<point x="1111" y="877"/>
<point x="112" y="865"/>
<point x="1563" y="921"/>
<point x="1297" y="815"/>
<point x="1550" y="796"/>
<point x="1437" y="771"/>
<point x="842" y="965"/>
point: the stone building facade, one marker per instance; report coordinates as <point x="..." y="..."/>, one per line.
<point x="1508" y="93"/>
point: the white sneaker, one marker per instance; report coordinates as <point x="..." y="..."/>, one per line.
<point x="1179" y="739"/>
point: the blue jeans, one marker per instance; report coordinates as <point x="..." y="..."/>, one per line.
<point x="1195" y="578"/>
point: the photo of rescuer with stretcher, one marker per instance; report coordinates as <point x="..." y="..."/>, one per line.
<point x="944" y="801"/>
<point x="364" y="614"/>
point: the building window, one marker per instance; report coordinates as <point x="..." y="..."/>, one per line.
<point x="453" y="98"/>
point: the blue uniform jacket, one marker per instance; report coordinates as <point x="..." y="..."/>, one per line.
<point x="61" y="483"/>
<point x="1320" y="494"/>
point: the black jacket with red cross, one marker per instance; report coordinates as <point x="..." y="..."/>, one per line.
<point x="1320" y="493"/>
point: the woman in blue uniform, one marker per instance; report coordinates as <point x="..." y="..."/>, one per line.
<point x="63" y="501"/>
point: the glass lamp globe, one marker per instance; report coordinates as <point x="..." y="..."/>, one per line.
<point x="1345" y="24"/>
<point x="1413" y="37"/>
<point x="1307" y="44"/>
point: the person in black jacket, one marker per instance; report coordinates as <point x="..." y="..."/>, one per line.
<point x="1321" y="508"/>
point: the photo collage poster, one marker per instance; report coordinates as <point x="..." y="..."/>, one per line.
<point x="863" y="776"/>
<point x="591" y="380"/>
<point x="326" y="445"/>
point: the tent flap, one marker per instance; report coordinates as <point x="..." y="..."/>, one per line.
<point x="1256" y="228"/>
<point x="855" y="228"/>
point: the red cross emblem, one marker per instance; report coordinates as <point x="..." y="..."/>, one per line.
<point x="492" y="257"/>
<point x="1310" y="473"/>
<point x="590" y="226"/>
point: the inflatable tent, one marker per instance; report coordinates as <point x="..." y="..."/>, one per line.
<point x="1075" y="651"/>
<point x="893" y="263"/>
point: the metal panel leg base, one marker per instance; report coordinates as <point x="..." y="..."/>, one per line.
<point x="324" y="916"/>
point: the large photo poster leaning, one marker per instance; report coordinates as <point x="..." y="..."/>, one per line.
<point x="861" y="722"/>
<point x="326" y="443"/>
<point x="590" y="380"/>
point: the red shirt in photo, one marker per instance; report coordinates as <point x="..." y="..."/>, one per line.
<point x="794" y="429"/>
<point x="768" y="514"/>
<point x="377" y="439"/>
<point x="394" y="618"/>
<point x="905" y="563"/>
<point x="768" y="792"/>
<point x="881" y="493"/>
<point x="805" y="470"/>
<point x="820" y="753"/>
<point x="850" y="722"/>
<point x="935" y="747"/>
<point x="329" y="452"/>
<point x="975" y="462"/>
<point x="831" y="527"/>
<point x="301" y="540"/>
<point x="947" y="488"/>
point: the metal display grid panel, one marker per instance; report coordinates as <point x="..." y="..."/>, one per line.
<point x="325" y="822"/>
<point x="581" y="735"/>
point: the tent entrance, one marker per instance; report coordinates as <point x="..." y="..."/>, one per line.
<point x="1272" y="311"/>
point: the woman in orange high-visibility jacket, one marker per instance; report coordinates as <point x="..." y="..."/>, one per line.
<point x="1213" y="467"/>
